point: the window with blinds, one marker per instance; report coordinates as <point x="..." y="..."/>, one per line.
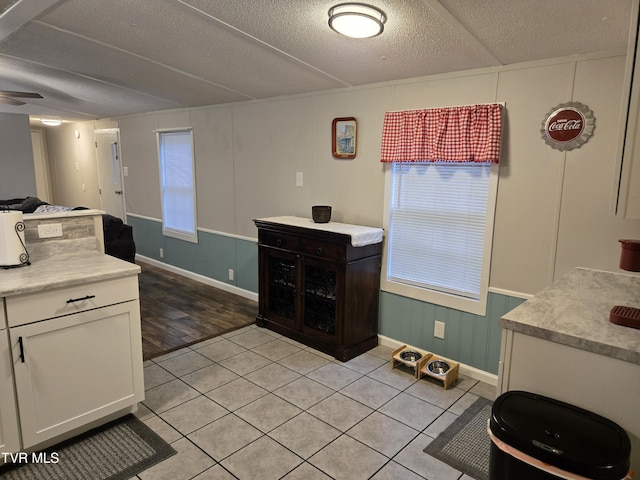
<point x="177" y="184"/>
<point x="440" y="218"/>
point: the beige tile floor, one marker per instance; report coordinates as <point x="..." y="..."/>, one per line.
<point x="255" y="405"/>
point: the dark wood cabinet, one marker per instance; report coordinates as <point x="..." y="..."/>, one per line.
<point x="317" y="288"/>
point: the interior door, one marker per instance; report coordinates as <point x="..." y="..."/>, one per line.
<point x="110" y="172"/>
<point x="43" y="184"/>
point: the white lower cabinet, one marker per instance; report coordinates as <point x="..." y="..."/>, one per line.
<point x="9" y="436"/>
<point x="73" y="370"/>
<point x="76" y="369"/>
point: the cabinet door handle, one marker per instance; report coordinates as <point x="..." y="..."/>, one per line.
<point x="21" y="349"/>
<point x="88" y="297"/>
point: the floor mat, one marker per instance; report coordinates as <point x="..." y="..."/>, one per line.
<point x="116" y="451"/>
<point x="465" y="444"/>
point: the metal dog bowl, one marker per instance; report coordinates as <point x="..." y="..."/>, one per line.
<point x="438" y="367"/>
<point x="410" y="356"/>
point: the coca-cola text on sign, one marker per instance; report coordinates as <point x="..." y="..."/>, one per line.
<point x="565" y="125"/>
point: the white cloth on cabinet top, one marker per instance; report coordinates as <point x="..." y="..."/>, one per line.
<point x="360" y="235"/>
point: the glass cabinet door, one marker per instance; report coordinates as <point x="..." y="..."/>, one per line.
<point x="320" y="289"/>
<point x="281" y="287"/>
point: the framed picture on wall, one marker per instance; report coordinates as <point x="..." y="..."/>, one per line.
<point x="343" y="137"/>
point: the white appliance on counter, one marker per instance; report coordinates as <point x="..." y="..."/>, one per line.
<point x="13" y="252"/>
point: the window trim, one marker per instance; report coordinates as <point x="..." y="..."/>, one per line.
<point x="166" y="231"/>
<point x="477" y="307"/>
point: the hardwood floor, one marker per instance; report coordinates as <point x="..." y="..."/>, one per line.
<point x="177" y="311"/>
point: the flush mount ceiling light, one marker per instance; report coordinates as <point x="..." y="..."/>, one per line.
<point x="50" y="122"/>
<point x="357" y="20"/>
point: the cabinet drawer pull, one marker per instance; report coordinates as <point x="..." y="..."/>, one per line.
<point x="319" y="251"/>
<point x="279" y="242"/>
<point x="21" y="349"/>
<point x="88" y="297"/>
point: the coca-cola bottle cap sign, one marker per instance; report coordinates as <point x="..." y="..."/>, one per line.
<point x="568" y="126"/>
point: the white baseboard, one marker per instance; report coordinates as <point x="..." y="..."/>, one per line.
<point x="467" y="370"/>
<point x="200" y="278"/>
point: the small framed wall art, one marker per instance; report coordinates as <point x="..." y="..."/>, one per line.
<point x="343" y="137"/>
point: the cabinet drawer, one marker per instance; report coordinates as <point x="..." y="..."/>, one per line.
<point x="32" y="307"/>
<point x="328" y="250"/>
<point x="279" y="240"/>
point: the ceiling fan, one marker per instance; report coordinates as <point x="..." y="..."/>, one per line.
<point x="10" y="98"/>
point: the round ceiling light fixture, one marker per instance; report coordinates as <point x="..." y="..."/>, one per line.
<point x="357" y="20"/>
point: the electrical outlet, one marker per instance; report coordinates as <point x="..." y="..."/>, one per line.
<point x="299" y="179"/>
<point x="49" y="230"/>
<point x="438" y="330"/>
<point x="162" y="253"/>
<point x="231" y="274"/>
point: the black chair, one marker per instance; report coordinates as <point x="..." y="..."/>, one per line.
<point x="118" y="238"/>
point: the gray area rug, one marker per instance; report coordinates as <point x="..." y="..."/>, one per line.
<point x="116" y="451"/>
<point x="465" y="444"/>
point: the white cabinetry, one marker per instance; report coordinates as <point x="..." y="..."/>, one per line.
<point x="627" y="195"/>
<point x="607" y="386"/>
<point x="560" y="343"/>
<point x="77" y="355"/>
<point x="9" y="437"/>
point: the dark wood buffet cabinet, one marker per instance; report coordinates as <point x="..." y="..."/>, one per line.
<point x="315" y="287"/>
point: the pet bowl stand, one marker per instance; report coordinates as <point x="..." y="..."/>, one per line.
<point x="396" y="359"/>
<point x="448" y="378"/>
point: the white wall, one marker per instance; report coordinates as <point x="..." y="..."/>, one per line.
<point x="17" y="173"/>
<point x="73" y="164"/>
<point x="553" y="207"/>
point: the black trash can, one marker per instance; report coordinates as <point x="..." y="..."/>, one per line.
<point x="539" y="438"/>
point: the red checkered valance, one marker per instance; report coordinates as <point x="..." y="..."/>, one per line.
<point x="469" y="133"/>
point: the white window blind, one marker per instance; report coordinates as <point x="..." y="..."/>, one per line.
<point x="177" y="181"/>
<point x="438" y="218"/>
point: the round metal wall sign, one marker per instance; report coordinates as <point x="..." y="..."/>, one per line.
<point x="568" y="126"/>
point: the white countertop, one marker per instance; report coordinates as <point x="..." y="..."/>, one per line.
<point x="62" y="214"/>
<point x="574" y="311"/>
<point x="360" y="235"/>
<point x="63" y="270"/>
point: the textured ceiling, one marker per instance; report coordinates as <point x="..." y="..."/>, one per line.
<point x="97" y="59"/>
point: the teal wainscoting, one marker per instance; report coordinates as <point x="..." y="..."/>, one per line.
<point x="212" y="256"/>
<point x="470" y="339"/>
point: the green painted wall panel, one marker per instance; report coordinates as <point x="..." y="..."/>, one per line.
<point x="148" y="236"/>
<point x="470" y="339"/>
<point x="453" y="319"/>
<point x="247" y="265"/>
<point x="211" y="257"/>
<point x="466" y="338"/>
<point x="217" y="256"/>
<point x="388" y="312"/>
